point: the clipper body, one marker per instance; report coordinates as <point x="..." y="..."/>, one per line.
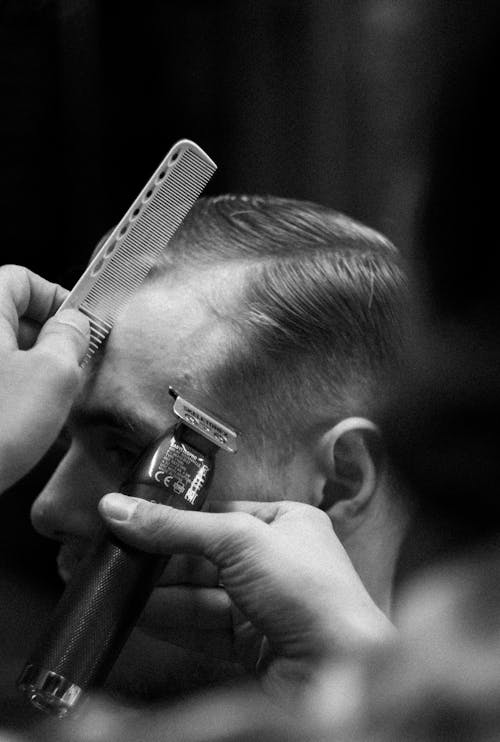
<point x="109" y="590"/>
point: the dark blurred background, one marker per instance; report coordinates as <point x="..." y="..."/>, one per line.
<point x="320" y="99"/>
<point x="328" y="100"/>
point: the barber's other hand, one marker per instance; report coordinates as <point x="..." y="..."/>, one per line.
<point x="281" y="565"/>
<point x="39" y="368"/>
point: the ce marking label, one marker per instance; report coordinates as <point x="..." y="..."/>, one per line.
<point x="161" y="478"/>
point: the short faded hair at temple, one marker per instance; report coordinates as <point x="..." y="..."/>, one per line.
<point x="317" y="327"/>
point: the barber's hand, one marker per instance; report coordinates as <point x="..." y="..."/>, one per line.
<point x="39" y="368"/>
<point x="282" y="567"/>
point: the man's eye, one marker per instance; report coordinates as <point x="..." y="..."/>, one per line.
<point x="65" y="436"/>
<point x="120" y="456"/>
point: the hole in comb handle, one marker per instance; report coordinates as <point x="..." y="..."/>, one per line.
<point x="97" y="267"/>
<point x="174" y="157"/>
<point x="110" y="249"/>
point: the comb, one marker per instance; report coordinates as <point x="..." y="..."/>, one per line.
<point x="135" y="244"/>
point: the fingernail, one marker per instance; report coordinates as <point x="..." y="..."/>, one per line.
<point x="118" y="507"/>
<point x="75" y="319"/>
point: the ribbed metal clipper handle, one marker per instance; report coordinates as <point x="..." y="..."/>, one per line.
<point x="106" y="595"/>
<point x="91" y="623"/>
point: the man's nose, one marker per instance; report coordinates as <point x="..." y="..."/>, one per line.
<point x="67" y="506"/>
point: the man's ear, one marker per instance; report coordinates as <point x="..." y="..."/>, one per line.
<point x="351" y="459"/>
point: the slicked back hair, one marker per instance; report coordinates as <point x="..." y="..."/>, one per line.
<point x="317" y="327"/>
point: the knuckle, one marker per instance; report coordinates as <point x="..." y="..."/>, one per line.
<point x="315" y="521"/>
<point x="11" y="273"/>
<point x="10" y="269"/>
<point x="319" y="516"/>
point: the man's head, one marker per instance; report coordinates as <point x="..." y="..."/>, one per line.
<point x="310" y="299"/>
<point x="281" y="317"/>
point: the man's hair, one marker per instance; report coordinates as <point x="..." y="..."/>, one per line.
<point x="317" y="326"/>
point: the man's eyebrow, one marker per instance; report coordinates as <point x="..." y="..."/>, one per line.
<point x="126" y="421"/>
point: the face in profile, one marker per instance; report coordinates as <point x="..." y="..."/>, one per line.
<point x="168" y="335"/>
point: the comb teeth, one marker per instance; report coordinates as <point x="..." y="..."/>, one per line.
<point x="99" y="330"/>
<point x="137" y="241"/>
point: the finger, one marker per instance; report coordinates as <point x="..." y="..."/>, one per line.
<point x="65" y="337"/>
<point x="265" y="511"/>
<point x="183" y="606"/>
<point x="299" y="519"/>
<point x="27" y="334"/>
<point x="24" y="294"/>
<point x="159" y="529"/>
<point x="45" y="298"/>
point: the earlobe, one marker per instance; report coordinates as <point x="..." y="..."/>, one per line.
<point x="350" y="454"/>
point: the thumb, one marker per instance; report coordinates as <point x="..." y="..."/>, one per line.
<point x="66" y="335"/>
<point x="160" y="529"/>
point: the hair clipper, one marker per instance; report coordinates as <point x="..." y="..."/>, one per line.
<point x="109" y="590"/>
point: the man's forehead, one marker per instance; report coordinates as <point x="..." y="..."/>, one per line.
<point x="114" y="397"/>
<point x="179" y="320"/>
<point x="170" y="334"/>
